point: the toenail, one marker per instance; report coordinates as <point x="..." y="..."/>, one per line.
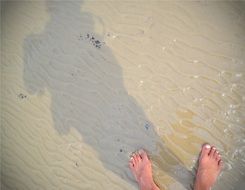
<point x="207" y="146"/>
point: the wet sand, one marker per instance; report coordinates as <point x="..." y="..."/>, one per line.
<point x="84" y="84"/>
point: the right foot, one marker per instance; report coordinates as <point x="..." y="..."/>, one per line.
<point x="140" y="166"/>
<point x="209" y="168"/>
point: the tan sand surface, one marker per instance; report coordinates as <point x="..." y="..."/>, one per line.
<point x="84" y="84"/>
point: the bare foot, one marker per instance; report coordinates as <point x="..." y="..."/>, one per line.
<point x="140" y="166"/>
<point x="209" y="167"/>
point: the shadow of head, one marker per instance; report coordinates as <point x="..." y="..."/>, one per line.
<point x="79" y="70"/>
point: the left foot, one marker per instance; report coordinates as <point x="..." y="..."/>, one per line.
<point x="140" y="166"/>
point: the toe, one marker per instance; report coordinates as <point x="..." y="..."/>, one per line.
<point x="220" y="164"/>
<point x="131" y="162"/>
<point x="138" y="158"/>
<point x="133" y="159"/>
<point x="217" y="155"/>
<point x="205" y="150"/>
<point x="143" y="154"/>
<point x="212" y="152"/>
<point x="131" y="165"/>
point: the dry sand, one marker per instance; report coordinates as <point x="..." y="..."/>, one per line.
<point x="84" y="84"/>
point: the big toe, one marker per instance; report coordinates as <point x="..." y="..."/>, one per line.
<point x="205" y="150"/>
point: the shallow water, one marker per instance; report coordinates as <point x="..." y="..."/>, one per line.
<point x="84" y="84"/>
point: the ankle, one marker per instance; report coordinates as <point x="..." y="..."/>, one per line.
<point x="146" y="185"/>
<point x="199" y="186"/>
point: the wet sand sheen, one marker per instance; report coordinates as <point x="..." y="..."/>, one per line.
<point x="85" y="84"/>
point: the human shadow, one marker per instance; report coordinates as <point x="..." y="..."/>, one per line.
<point x="85" y="81"/>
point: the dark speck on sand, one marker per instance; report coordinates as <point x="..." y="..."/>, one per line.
<point x="96" y="43"/>
<point x="22" y="96"/>
<point x="147" y="126"/>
